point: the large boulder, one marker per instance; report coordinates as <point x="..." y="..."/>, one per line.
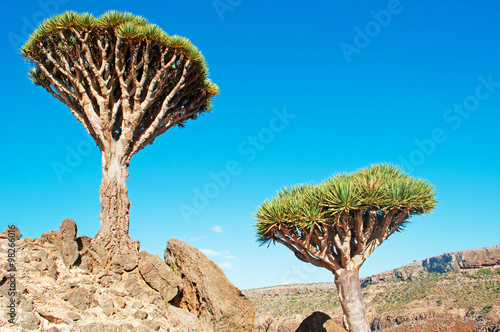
<point x="319" y="322"/>
<point x="441" y="264"/>
<point x="206" y="292"/>
<point x="11" y="232"/>
<point x="65" y="241"/>
<point x="69" y="246"/>
<point x="476" y="258"/>
<point x="158" y="275"/>
<point x="81" y="299"/>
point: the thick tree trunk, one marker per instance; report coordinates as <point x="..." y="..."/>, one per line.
<point x="113" y="237"/>
<point x="351" y="300"/>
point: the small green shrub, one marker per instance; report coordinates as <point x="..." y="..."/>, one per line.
<point x="484" y="272"/>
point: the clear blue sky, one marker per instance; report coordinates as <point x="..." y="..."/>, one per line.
<point x="306" y="90"/>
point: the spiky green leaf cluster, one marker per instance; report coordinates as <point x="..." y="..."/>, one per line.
<point x="126" y="26"/>
<point x="381" y="187"/>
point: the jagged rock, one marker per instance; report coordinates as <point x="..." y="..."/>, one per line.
<point x="128" y="326"/>
<point x="73" y="316"/>
<point x="183" y="320"/>
<point x="107" y="306"/>
<point x="11" y="229"/>
<point x="29" y="320"/>
<point x="219" y="305"/>
<point x="158" y="275"/>
<point x="441" y="263"/>
<point x="127" y="261"/>
<point x="132" y="285"/>
<point x="53" y="237"/>
<point x="93" y="288"/>
<point x="40" y="256"/>
<point x="27" y="305"/>
<point x="81" y="298"/>
<point x="120" y="303"/>
<point x="101" y="306"/>
<point x="454" y="261"/>
<point x="41" y="266"/>
<point x="152" y="324"/>
<point x="83" y="242"/>
<point x="477" y="258"/>
<point x="319" y="322"/>
<point x="117" y="292"/>
<point x="137" y="305"/>
<point x="106" y="280"/>
<point x="52" y="270"/>
<point x="187" y="298"/>
<point x="51" y="317"/>
<point x="155" y="299"/>
<point x="69" y="246"/>
<point x="139" y="314"/>
<point x="68" y="230"/>
<point x="86" y="262"/>
<point x="71" y="283"/>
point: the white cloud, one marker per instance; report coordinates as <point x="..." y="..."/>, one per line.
<point x="210" y="252"/>
<point x="228" y="255"/>
<point x="217" y="229"/>
<point x="225" y="265"/>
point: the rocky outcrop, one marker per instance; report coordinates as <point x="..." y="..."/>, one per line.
<point x="319" y="322"/>
<point x="454" y="261"/>
<point x="469" y="259"/>
<point x="11" y="231"/>
<point x="291" y="289"/>
<point x="58" y="287"/>
<point x="69" y="247"/>
<point x="206" y="292"/>
<point x="158" y="275"/>
<point x="65" y="242"/>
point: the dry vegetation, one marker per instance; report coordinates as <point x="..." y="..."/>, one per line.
<point x="473" y="295"/>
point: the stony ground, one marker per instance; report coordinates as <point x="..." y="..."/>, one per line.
<point x="51" y="297"/>
<point x="52" y="283"/>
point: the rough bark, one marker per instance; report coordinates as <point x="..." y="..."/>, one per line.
<point x="351" y="300"/>
<point x="113" y="237"/>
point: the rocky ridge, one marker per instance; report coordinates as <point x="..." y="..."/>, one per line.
<point x="456" y="291"/>
<point x="454" y="261"/>
<point x="56" y="286"/>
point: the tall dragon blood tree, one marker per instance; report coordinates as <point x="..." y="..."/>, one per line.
<point x="337" y="224"/>
<point x="127" y="82"/>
